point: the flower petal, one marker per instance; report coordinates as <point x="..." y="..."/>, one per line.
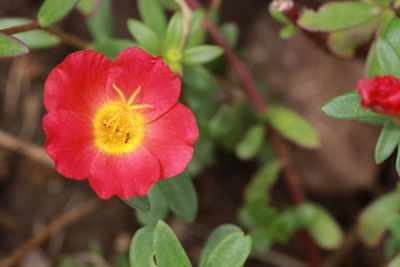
<point x="125" y="175"/>
<point x="78" y="83"/>
<point x="160" y="87"/>
<point x="170" y="139"/>
<point x="69" y="143"/>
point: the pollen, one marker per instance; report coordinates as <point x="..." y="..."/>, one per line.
<point x="119" y="125"/>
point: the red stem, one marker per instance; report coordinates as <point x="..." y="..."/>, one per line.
<point x="290" y="175"/>
<point x="63" y="36"/>
<point x="22" y="28"/>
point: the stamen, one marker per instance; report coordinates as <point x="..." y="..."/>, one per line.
<point x="121" y="95"/>
<point x="140" y="106"/>
<point x="133" y="96"/>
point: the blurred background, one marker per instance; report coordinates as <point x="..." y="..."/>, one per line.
<point x="340" y="175"/>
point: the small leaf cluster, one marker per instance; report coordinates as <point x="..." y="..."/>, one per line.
<point x="158" y="246"/>
<point x="346" y="25"/>
<point x="379" y="217"/>
<point x="168" y="39"/>
<point x="268" y="224"/>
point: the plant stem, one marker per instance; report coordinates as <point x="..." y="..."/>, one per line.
<point x="22" y="28"/>
<point x="67" y="38"/>
<point x="290" y="174"/>
<point x="64" y="37"/>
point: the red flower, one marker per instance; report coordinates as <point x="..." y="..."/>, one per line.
<point x="381" y="94"/>
<point x="117" y="123"/>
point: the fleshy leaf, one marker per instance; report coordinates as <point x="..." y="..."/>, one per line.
<point x="222" y="123"/>
<point x="231" y="33"/>
<point x="372" y="67"/>
<point x="231" y="251"/>
<point x="181" y="196"/>
<point x="216" y="236"/>
<point x="388" y="59"/>
<point x="153" y="16"/>
<point x="388" y="141"/>
<point x="11" y="47"/>
<point x="336" y="16"/>
<point x="375" y="219"/>
<point x="325" y="230"/>
<point x="52" y="11"/>
<point x="251" y="142"/>
<point x="159" y="208"/>
<point x="169" y="252"/>
<point x="392" y="34"/>
<point x="292" y="126"/>
<point x="140" y="203"/>
<point x="101" y="25"/>
<point x="88" y="7"/>
<point x="262" y="181"/>
<point x="141" y="251"/>
<point x="344" y="43"/>
<point x="174" y="32"/>
<point x="201" y="54"/>
<point x="347" y="106"/>
<point x="196" y="33"/>
<point x="146" y="38"/>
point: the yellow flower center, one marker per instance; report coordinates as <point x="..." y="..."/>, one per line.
<point x="118" y="125"/>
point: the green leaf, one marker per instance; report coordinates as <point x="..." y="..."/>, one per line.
<point x="146" y="38"/>
<point x="344" y="43"/>
<point x="11" y="46"/>
<point x="388" y="58"/>
<point x="231" y="251"/>
<point x="181" y="196"/>
<point x="347" y="106"/>
<point x="388" y="140"/>
<point x="101" y="25"/>
<point x="375" y="219"/>
<point x="262" y="181"/>
<point x="169" y="252"/>
<point x="372" y="67"/>
<point x="392" y="34"/>
<point x="173" y="36"/>
<point x="201" y="54"/>
<point x="111" y="48"/>
<point x="153" y="16"/>
<point x="287" y="32"/>
<point x="199" y="78"/>
<point x="159" y="208"/>
<point x="88" y="7"/>
<point x="276" y="14"/>
<point x="292" y="126"/>
<point x="222" y="123"/>
<point x="386" y="17"/>
<point x="336" y="16"/>
<point x="231" y="33"/>
<point x="251" y="142"/>
<point x="141" y="251"/>
<point x="325" y="230"/>
<point x="34" y="39"/>
<point x="216" y="236"/>
<point x="140" y="203"/>
<point x="196" y="33"/>
<point x="52" y="11"/>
